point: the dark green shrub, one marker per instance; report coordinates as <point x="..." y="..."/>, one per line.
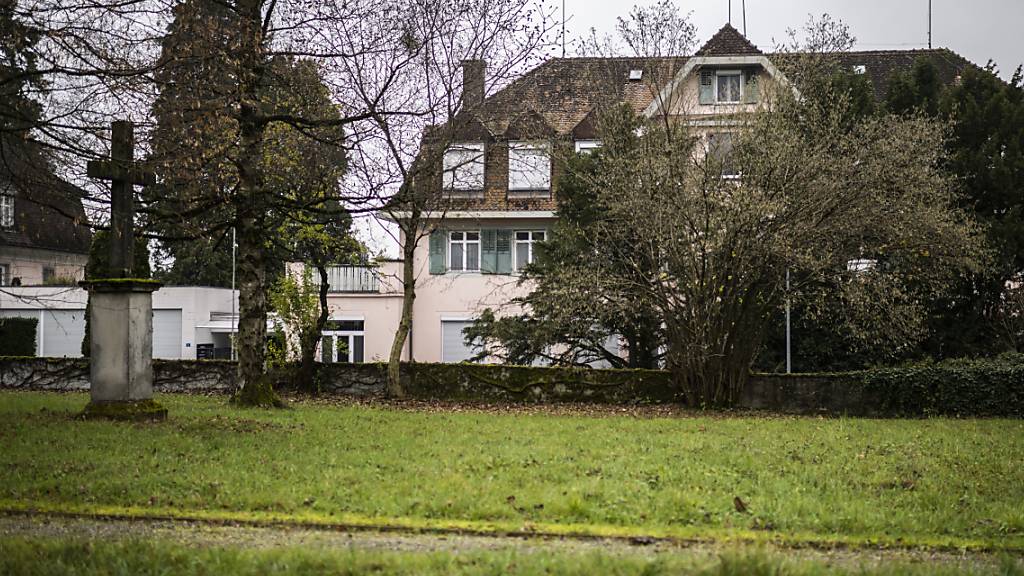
<point x="18" y="336"/>
<point x="982" y="387"/>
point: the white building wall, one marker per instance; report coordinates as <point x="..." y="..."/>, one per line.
<point x="66" y="306"/>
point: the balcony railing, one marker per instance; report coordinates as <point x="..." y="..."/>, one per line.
<point x="352" y="279"/>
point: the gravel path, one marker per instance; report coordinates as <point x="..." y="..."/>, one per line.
<point x="219" y="535"/>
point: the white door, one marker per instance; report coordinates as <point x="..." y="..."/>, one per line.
<point x="166" y="333"/>
<point x="453" y="341"/>
<point x="63" y="331"/>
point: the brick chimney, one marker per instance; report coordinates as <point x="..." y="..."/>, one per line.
<point x="473" y="82"/>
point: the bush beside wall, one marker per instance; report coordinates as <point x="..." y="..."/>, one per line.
<point x="18" y="336"/>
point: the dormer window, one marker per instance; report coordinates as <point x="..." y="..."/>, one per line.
<point x="728" y="86"/>
<point x="587" y="146"/>
<point x="464" y="167"/>
<point x="529" y="168"/>
<point x="6" y="208"/>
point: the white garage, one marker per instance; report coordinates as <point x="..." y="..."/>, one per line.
<point x="62" y="332"/>
<point x="166" y="333"/>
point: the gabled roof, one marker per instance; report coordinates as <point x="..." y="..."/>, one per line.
<point x="728" y="42"/>
<point x="48" y="212"/>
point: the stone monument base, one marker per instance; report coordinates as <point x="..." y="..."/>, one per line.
<point x="127" y="410"/>
<point x="121" y="350"/>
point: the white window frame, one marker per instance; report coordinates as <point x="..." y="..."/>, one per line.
<point x="5" y="274"/>
<point x="350" y="341"/>
<point x="6" y="208"/>
<point x="530" y="242"/>
<point x="587" y="146"/>
<point x="466" y="244"/>
<point x="525" y="185"/>
<point x="464" y="168"/>
<point x="739" y="97"/>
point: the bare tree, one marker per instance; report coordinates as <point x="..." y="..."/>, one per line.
<point x="389" y="66"/>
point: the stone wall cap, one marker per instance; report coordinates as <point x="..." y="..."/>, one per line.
<point x="102" y="285"/>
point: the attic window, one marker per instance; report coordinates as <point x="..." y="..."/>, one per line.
<point x="635" y="75"/>
<point x="859" y="69"/>
<point x="464" y="167"/>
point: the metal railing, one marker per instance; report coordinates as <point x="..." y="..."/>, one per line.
<point x="352" y="279"/>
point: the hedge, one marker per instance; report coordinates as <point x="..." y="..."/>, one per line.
<point x="982" y="387"/>
<point x="18" y="336"/>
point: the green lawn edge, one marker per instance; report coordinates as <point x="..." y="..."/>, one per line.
<point x="679" y="536"/>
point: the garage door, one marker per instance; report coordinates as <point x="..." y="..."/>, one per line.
<point x="453" y="342"/>
<point x="63" y="331"/>
<point x="166" y="333"/>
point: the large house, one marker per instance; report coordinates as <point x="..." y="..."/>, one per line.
<point x="500" y="179"/>
<point x="44" y="233"/>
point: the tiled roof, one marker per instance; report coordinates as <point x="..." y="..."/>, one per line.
<point x="48" y="212"/>
<point x="728" y="42"/>
<point x="563" y="91"/>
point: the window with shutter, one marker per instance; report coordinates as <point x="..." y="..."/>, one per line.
<point x="707" y="88"/>
<point x="437" y="252"/>
<point x="751" y="93"/>
<point x="489" y="251"/>
<point x="504" y="245"/>
<point x="728" y="86"/>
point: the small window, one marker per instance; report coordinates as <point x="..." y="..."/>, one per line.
<point x="720" y="150"/>
<point x="529" y="167"/>
<point x="525" y="246"/>
<point x="6" y="209"/>
<point x="49" y="275"/>
<point x="859" y="69"/>
<point x="5" y="274"/>
<point x="464" y="251"/>
<point x="860" y="265"/>
<point x="587" y="146"/>
<point x="636" y="74"/>
<point x="464" y="168"/>
<point x="728" y="87"/>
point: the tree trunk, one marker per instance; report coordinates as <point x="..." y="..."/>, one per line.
<point x="395" y="389"/>
<point x="254" y="386"/>
<point x="306" y="377"/>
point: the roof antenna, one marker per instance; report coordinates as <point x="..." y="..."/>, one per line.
<point x="563" y="28"/>
<point x="745" y="17"/>
<point x="929" y="24"/>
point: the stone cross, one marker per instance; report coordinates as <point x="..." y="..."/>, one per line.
<point x="124" y="174"/>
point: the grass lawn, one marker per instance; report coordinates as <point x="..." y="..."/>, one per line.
<point x="937" y="482"/>
<point x="43" y="557"/>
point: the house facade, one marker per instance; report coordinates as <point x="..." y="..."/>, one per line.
<point x="44" y="233"/>
<point x="499" y="176"/>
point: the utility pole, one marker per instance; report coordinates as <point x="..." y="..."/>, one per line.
<point x="789" y="349"/>
<point x="744" y="17"/>
<point x="929" y="24"/>
<point x="234" y="248"/>
<point x="563" y="28"/>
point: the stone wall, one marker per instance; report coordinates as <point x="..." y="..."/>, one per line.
<point x="70" y="374"/>
<point x="950" y="390"/>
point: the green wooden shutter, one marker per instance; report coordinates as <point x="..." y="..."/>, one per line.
<point x="707" y="88"/>
<point x="504" y="250"/>
<point x="751" y="91"/>
<point x="488" y="251"/>
<point x="437" y="252"/>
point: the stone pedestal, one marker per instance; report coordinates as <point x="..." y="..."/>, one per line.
<point x="121" y="350"/>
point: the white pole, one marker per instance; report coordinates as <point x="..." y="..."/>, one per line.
<point x="234" y="247"/>
<point x="789" y="357"/>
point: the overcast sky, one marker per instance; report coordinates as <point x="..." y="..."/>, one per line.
<point x="978" y="30"/>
